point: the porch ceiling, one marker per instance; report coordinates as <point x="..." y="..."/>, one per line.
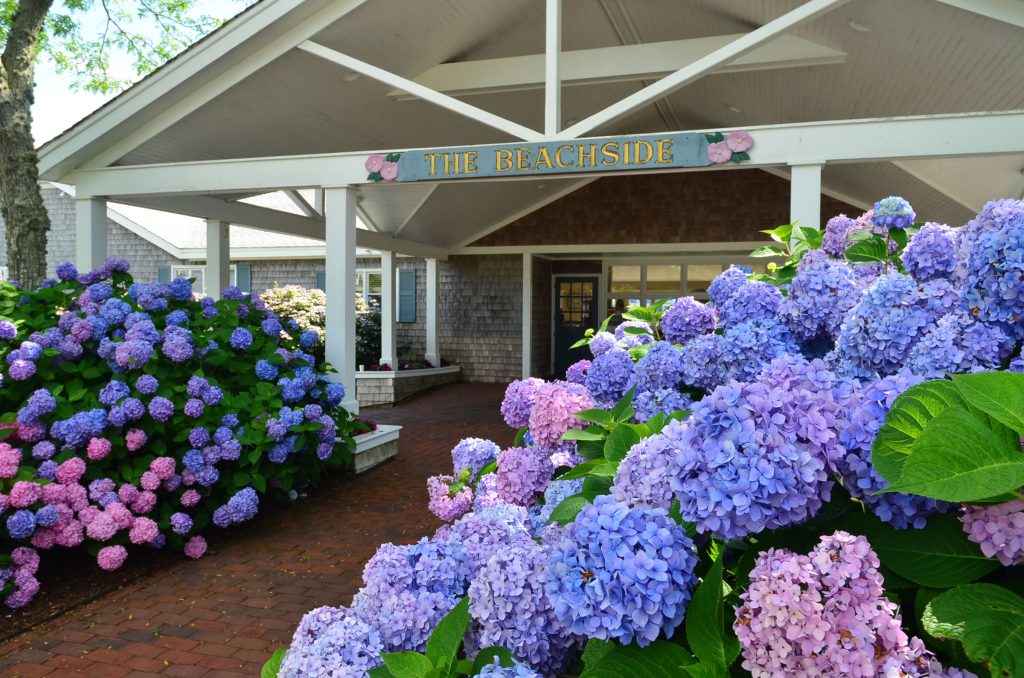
<point x="902" y="58"/>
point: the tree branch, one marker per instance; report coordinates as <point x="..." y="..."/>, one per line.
<point x="19" y="54"/>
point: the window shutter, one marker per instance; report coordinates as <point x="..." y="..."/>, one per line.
<point x="244" y="276"/>
<point x="163" y="274"/>
<point x="321" y="280"/>
<point x="407" y="295"/>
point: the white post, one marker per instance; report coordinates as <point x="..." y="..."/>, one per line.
<point x="527" y="314"/>
<point x="552" y="72"/>
<point x="433" y="354"/>
<point x="90" y="233"/>
<point x="218" y="257"/>
<point x="805" y="195"/>
<point x="388" y="302"/>
<point x="340" y="340"/>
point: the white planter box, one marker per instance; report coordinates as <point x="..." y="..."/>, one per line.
<point x="375" y="448"/>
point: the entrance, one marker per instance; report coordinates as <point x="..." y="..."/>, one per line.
<point x="575" y="312"/>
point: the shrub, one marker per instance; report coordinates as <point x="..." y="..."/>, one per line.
<point x="133" y="416"/>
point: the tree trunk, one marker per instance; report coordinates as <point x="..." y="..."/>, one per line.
<point x="24" y="213"/>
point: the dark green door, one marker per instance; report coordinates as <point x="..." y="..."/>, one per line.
<point x="575" y="311"/>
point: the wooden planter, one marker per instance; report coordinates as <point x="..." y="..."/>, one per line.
<point x="374" y="448"/>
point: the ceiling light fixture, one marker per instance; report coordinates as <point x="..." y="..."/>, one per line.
<point x="858" y="26"/>
<point x="733" y="109"/>
<point x="350" y="76"/>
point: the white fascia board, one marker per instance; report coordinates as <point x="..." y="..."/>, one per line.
<point x="252" y="29"/>
<point x="618" y="64"/>
<point x="836" y="141"/>
<point x="1007" y="11"/>
<point x="240" y="213"/>
<point x="384" y="242"/>
<point x="617" y="248"/>
<point x="259" y="253"/>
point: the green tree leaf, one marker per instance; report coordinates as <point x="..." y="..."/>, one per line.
<point x="939" y="556"/>
<point x="273" y="665"/>
<point x="594" y="650"/>
<point x="407" y="664"/>
<point x="907" y="419"/>
<point x="987" y="619"/>
<point x="768" y="251"/>
<point x="868" y="251"/>
<point x="487" y="656"/>
<point x="780" y="234"/>
<point x="446" y="639"/>
<point x="582" y="470"/>
<point x="998" y="394"/>
<point x="596" y="416"/>
<point x="583" y="434"/>
<point x="623" y="410"/>
<point x="660" y="659"/>
<point x="958" y="458"/>
<point x="619" y="443"/>
<point x="706" y="630"/>
<point x="568" y="509"/>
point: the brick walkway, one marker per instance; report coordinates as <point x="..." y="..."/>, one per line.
<point x="226" y="613"/>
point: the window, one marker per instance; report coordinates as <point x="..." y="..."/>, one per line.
<point x="368" y="284"/>
<point x="198" y="276"/>
<point x="642" y="284"/>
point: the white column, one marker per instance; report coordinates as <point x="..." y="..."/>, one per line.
<point x="805" y="195"/>
<point x="218" y="257"/>
<point x="552" y="73"/>
<point x="527" y="314"/>
<point x="433" y="354"/>
<point x="388" y="303"/>
<point x="340" y="340"/>
<point x="90" y="233"/>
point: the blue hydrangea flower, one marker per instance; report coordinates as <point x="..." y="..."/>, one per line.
<point x="474" y="454"/>
<point x="833" y="242"/>
<point x="243" y="505"/>
<point x="483" y="533"/>
<point x="177" y="318"/>
<point x="726" y="283"/>
<point x="21" y="524"/>
<point x="7" y="330"/>
<point x="819" y="297"/>
<point x="621" y="573"/>
<point x="332" y="641"/>
<point x="517" y="670"/>
<point x="643" y="478"/>
<point x="309" y="338"/>
<point x="700" y="360"/>
<point x="556" y="492"/>
<point x="753" y="300"/>
<point x="241" y="339"/>
<point x="892" y="212"/>
<point x="147" y="384"/>
<point x="180" y="289"/>
<point x="892" y="315"/>
<point x="39" y="404"/>
<point x="993" y="267"/>
<point x="66" y="271"/>
<point x="747" y="347"/>
<point x="602" y="342"/>
<point x="686" y="318"/>
<point x="610" y="376"/>
<point x="931" y="253"/>
<point x="660" y="368"/>
<point x="958" y="343"/>
<point x="859" y="476"/>
<point x="271" y="327"/>
<point x="266" y="370"/>
<point x="647" y="404"/>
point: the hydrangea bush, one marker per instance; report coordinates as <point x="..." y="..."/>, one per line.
<point x="137" y="417"/>
<point x="818" y="472"/>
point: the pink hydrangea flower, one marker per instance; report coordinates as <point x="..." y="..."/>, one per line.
<point x="101" y="528"/>
<point x="143" y="531"/>
<point x="25" y="559"/>
<point x="389" y="172"/>
<point x="196" y="547"/>
<point x="998" y="529"/>
<point x="127" y="493"/>
<point x="523" y="474"/>
<point x="374" y="162"/>
<point x="719" y="152"/>
<point x="111" y="558"/>
<point x="135" y="439"/>
<point x="98" y="448"/>
<point x="31" y="433"/>
<point x="443" y="504"/>
<point x="4" y="502"/>
<point x="10" y="458"/>
<point x="45" y="537"/>
<point x="71" y="535"/>
<point x="554" y="412"/>
<point x="163" y="467"/>
<point x="121" y="516"/>
<point x="144" y="503"/>
<point x="70" y="471"/>
<point x="189" y="498"/>
<point x="149" y="481"/>
<point x="739" y="141"/>
<point x="25" y="493"/>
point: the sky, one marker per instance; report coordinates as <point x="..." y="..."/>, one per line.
<point x="58" y="105"/>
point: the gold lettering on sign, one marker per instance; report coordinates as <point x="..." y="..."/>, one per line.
<point x="503" y="159"/>
<point x="648" y="152"/>
<point x="470" y="162"/>
<point x="451" y="163"/>
<point x="664" y="150"/>
<point x="626" y="159"/>
<point x="543" y="158"/>
<point x="609" y="153"/>
<point x="558" y="156"/>
<point x="432" y="157"/>
<point x="588" y="152"/>
<point x="522" y="159"/>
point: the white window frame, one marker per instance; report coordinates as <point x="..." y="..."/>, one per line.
<point x="186" y="271"/>
<point x="724" y="259"/>
<point x="363" y="290"/>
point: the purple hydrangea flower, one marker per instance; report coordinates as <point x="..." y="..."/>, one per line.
<point x="518" y="401"/>
<point x="998" y="529"/>
<point x="554" y="412"/>
<point x="747" y="347"/>
<point x="444" y="503"/>
<point x="958" y="343"/>
<point x="332" y="641"/>
<point x="819" y="297"/>
<point x="686" y="318"/>
<point x="892" y="212"/>
<point x="647" y="404"/>
<point x="993" y="265"/>
<point x="700" y="360"/>
<point x="629" y="339"/>
<point x="161" y="408"/>
<point x="610" y="376"/>
<point x="147" y="384"/>
<point x="474" y="454"/>
<point x="753" y="300"/>
<point x="833" y="242"/>
<point x="621" y="573"/>
<point x="66" y="271"/>
<point x="931" y="253"/>
<point x="577" y="372"/>
<point x="7" y="330"/>
<point x="602" y="342"/>
<point x="726" y="283"/>
<point x="660" y="368"/>
<point x="643" y="478"/>
<point x="523" y="474"/>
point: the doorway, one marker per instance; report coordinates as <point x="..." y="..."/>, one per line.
<point x="575" y="311"/>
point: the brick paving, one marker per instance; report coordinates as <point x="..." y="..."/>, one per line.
<point x="225" y="614"/>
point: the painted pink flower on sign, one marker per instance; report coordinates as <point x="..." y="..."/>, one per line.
<point x="739" y="141"/>
<point x="389" y="172"/>
<point x="374" y="162"/>
<point x="719" y="152"/>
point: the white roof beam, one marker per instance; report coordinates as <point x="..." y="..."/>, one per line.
<point x="1007" y="11"/>
<point x="552" y="68"/>
<point x="619" y="64"/>
<point x="243" y="214"/>
<point x="706" y="64"/>
<point x="416" y="210"/>
<point x="433" y="96"/>
<point x="839" y="141"/>
<point x="72" y="150"/>
<point x="301" y="203"/>
<point x="383" y="241"/>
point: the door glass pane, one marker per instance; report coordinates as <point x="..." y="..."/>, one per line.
<point x="375" y="283"/>
<point x="699" y="276"/>
<point x="663" y="280"/>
